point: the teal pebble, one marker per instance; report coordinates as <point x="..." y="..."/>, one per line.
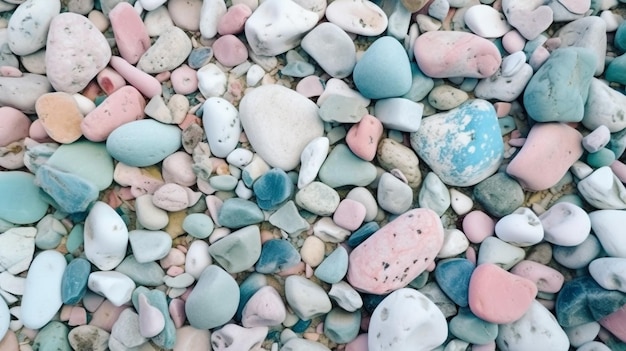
<point x="507" y="124"/>
<point x="371" y="301"/>
<point x="237" y="213"/>
<point x="384" y="70"/>
<point x="421" y="84"/>
<point x="582" y="300"/>
<point x="617" y="143"/>
<point x="361" y="234"/>
<point x="554" y="94"/>
<point x="237" y="251"/>
<point x="341" y="326"/>
<point x="342" y="168"/>
<point x="616" y="70"/>
<point x="301" y="326"/>
<point x="601" y="158"/>
<point x="469" y="84"/>
<point x="453" y="276"/>
<point x="75" y="239"/>
<point x="420" y="281"/>
<point x="277" y="255"/>
<point x="146" y="274"/>
<point x="469" y="328"/>
<point x="85" y="159"/>
<point x="52" y="337"/>
<point x="499" y="194"/>
<point x="74" y="281"/>
<point x="273" y="189"/>
<point x="167" y="337"/>
<point x="214" y="299"/>
<point x="198" y="225"/>
<point x="298" y="69"/>
<point x="247" y="288"/>
<point x="223" y="182"/>
<point x="144" y="142"/>
<point x="70" y="192"/>
<point x="20" y="202"/>
<point x="334" y="267"/>
<point x="289" y="219"/>
<point x="99" y="99"/>
<point x="619" y="41"/>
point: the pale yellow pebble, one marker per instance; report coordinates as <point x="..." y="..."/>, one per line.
<point x="178" y="106"/>
<point x="312" y="251"/>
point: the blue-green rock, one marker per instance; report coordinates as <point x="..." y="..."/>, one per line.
<point x="507" y="124"/>
<point x="146" y="274"/>
<point x="167" y="337"/>
<point x="237" y="213"/>
<point x="298" y="69"/>
<point x="86" y="159"/>
<point x="453" y="276"/>
<point x="617" y="144"/>
<point x="70" y="192"/>
<point x="238" y="251"/>
<point x="199" y="57"/>
<point x="384" y="70"/>
<point x="579" y="256"/>
<point x="20" y="202"/>
<point x="301" y="326"/>
<point x="616" y="70"/>
<point x="144" y="142"/>
<point x="462" y="146"/>
<point x="341" y="326"/>
<point x="558" y="91"/>
<point x="289" y="219"/>
<point x="469" y="328"/>
<point x="214" y="299"/>
<point x="52" y="337"/>
<point x="198" y="225"/>
<point x="499" y="194"/>
<point x="619" y="41"/>
<point x="342" y="167"/>
<point x="421" y="84"/>
<point x="74" y="282"/>
<point x="247" y="288"/>
<point x="277" y="255"/>
<point x="50" y="232"/>
<point x="600" y="158"/>
<point x="75" y="239"/>
<point x="334" y="267"/>
<point x="364" y="232"/>
<point x="273" y="189"/>
<point x="582" y="300"/>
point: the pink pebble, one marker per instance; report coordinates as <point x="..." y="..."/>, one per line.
<point x="106" y="315"/>
<point x="38" y="133"/>
<point x="184" y="80"/>
<point x="189" y="120"/>
<point x="363" y="137"/>
<point x="477" y="226"/>
<point x="298" y="269"/>
<point x="218" y="233"/>
<point x="10" y="71"/>
<point x="174" y="271"/>
<point x="538" y="57"/>
<point x="151" y="320"/>
<point x="174" y="258"/>
<point x="619" y="169"/>
<point x="230" y="51"/>
<point x="498" y="296"/>
<point x="513" y="42"/>
<point x="123" y="106"/>
<point x="66" y="310"/>
<point x="431" y="267"/>
<point x="15" y="125"/>
<point x="310" y="86"/>
<point x="233" y="21"/>
<point x="177" y="312"/>
<point x="163" y="76"/>
<point x="9" y="342"/>
<point x="616" y="323"/>
<point x="142" y="81"/>
<point x="78" y="316"/>
<point x="502" y="108"/>
<point x="131" y="36"/>
<point x="109" y="80"/>
<point x="308" y="271"/>
<point x="349" y="214"/>
<point x="470" y="254"/>
<point x="548" y="153"/>
<point x="486" y="347"/>
<point x="517" y="142"/>
<point x="213" y="204"/>
<point x="546" y="278"/>
<point x="358" y="344"/>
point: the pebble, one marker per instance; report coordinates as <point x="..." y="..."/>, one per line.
<point x="546" y="278"/>
<point x="85" y="159"/>
<point x="21" y="203"/>
<point x="15" y="126"/>
<point x="521" y="228"/>
<point x="42" y="292"/>
<point x="130" y="33"/>
<point x="361" y="17"/>
<point x="214" y="299"/>
<point x="106" y="237"/>
<point x="237" y="213"/>
<point x="373" y="268"/>
<point x="328" y="231"/>
<point x="233" y="337"/>
<point x="287" y="25"/>
<point x="334" y="267"/>
<point x="342" y="167"/>
<point x="221" y="123"/>
<point x="72" y="75"/>
<point x="341" y="326"/>
<point x="608" y="272"/>
<point x="273" y="189"/>
<point x="498" y="296"/>
<point x="399" y="113"/>
<point x="583" y="333"/>
<point x="149" y="245"/>
<point x="389" y="329"/>
<point x="115" y="286"/>
<point x="329" y="38"/>
<point x="466" y="160"/>
<point x="530" y="19"/>
<point x="25" y="91"/>
<point x="265" y="308"/>
<point x="500" y="253"/>
<point x="434" y="194"/>
<point x="536" y="327"/>
<point x="145" y="83"/>
<point x="461" y="203"/>
<point x="579" y="256"/>
<point x="603" y="224"/>
<point x="277" y="255"/>
<point x="197" y="258"/>
<point x="70" y="193"/>
<point x="383" y="71"/>
<point x="169" y="51"/>
<point x="28" y="25"/>
<point x="288" y="219"/>
<point x="297" y="344"/>
<point x="233" y="21"/>
<point x="269" y="110"/>
<point x="565" y="224"/>
<point x="587" y="32"/>
<point x="394" y="155"/>
<point x="230" y="51"/>
<point x="125" y="332"/>
<point x="469" y="328"/>
<point x="151" y="321"/>
<point x="485" y="21"/>
<point x="603" y="190"/>
<point x="394" y="195"/>
<point x="553" y="155"/>
<point x="445" y="97"/>
<point x="95" y="337"/>
<point x="238" y="251"/>
<point x="342" y="109"/>
<point x="453" y="277"/>
<point x="53" y="336"/>
<point x="307" y="299"/>
<point x="567" y="102"/>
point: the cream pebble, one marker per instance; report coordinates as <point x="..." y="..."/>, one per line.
<point x="521" y="228"/>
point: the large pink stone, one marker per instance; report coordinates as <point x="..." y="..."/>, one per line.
<point x="397" y="253"/>
<point x="548" y="152"/>
<point x="444" y="54"/>
<point x="498" y="296"/>
<point x="130" y="33"/>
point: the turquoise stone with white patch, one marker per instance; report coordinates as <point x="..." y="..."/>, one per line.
<point x="462" y="146"/>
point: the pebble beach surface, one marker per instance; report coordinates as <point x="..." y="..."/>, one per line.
<point x="310" y="175"/>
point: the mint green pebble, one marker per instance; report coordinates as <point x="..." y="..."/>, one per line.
<point x="342" y="167"/>
<point x="75" y="239"/>
<point x="341" y="326"/>
<point x="20" y="202"/>
<point x="288" y="219"/>
<point x="223" y="182"/>
<point x="600" y="158"/>
<point x="85" y="159"/>
<point x="467" y="327"/>
<point x="52" y="337"/>
<point x="238" y="251"/>
<point x="198" y="225"/>
<point x="334" y="267"/>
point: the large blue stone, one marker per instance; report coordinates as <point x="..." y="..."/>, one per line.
<point x="70" y="192"/>
<point x="74" y="281"/>
<point x="277" y="255"/>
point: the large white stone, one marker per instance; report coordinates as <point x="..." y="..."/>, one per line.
<point x="406" y="320"/>
<point x="28" y="25"/>
<point x="486" y="21"/>
<point x="603" y="190"/>
<point x="210" y="14"/>
<point x="115" y="286"/>
<point x="106" y="237"/>
<point x="608" y="225"/>
<point x="565" y="224"/>
<point x="42" y="293"/>
<point x="361" y="17"/>
<point x="279" y="123"/>
<point x="605" y="106"/>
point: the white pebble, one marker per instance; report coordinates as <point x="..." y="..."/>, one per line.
<point x="197" y="258"/>
<point x="254" y="75"/>
<point x="399" y="114"/>
<point x="210" y="14"/>
<point x="115" y="286"/>
<point x="454" y="243"/>
<point x="211" y="80"/>
<point x="565" y="224"/>
<point x="106" y="237"/>
<point x="221" y="125"/>
<point x="328" y="231"/>
<point x="311" y="160"/>
<point x="609" y="272"/>
<point x="461" y="204"/>
<point x="521" y="228"/>
<point x="42" y="293"/>
<point x="149" y="216"/>
<point x="361" y="17"/>
<point x="485" y="21"/>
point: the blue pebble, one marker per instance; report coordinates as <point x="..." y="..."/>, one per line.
<point x="71" y="192"/>
<point x="421" y="84"/>
<point x="146" y="274"/>
<point x="469" y="328"/>
<point x="199" y="57"/>
<point x="619" y="41"/>
<point x="300" y="326"/>
<point x="616" y="70"/>
<point x="453" y="276"/>
<point x="341" y="326"/>
<point x="74" y="281"/>
<point x="384" y="70"/>
<point x="238" y="213"/>
<point x="507" y="124"/>
<point x="334" y="267"/>
<point x="277" y="255"/>
<point x="298" y="69"/>
<point x="582" y="300"/>
<point x="247" y="288"/>
<point x="361" y="234"/>
<point x="273" y="189"/>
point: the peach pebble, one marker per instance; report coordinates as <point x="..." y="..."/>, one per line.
<point x="15" y="125"/>
<point x="184" y="80"/>
<point x="234" y="20"/>
<point x="174" y="258"/>
<point x="363" y="137"/>
<point x="78" y="316"/>
<point x="106" y="315"/>
<point x="60" y="116"/>
<point x="9" y="342"/>
<point x="230" y="51"/>
<point x="477" y="226"/>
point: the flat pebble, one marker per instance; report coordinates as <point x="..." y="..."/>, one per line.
<point x="399" y="113"/>
<point x="126" y="104"/>
<point x="334" y="267"/>
<point x="288" y="218"/>
<point x="582" y="301"/>
<point x="530" y="19"/>
<point x="230" y="51"/>
<point x="359" y="17"/>
<point x="342" y="167"/>
<point x="168" y="52"/>
<point x="565" y="224"/>
<point x="20" y="186"/>
<point x="394" y="195"/>
<point x="587" y="32"/>
<point x="547" y="279"/>
<point x="197" y="258"/>
<point x="521" y="228"/>
<point x="277" y="255"/>
<point x="608" y="272"/>
<point x="25" y="91"/>
<point x="486" y="21"/>
<point x="500" y="253"/>
<point x="42" y="292"/>
<point x="453" y="277"/>
<point x="445" y="97"/>
<point x="237" y="213"/>
<point x="71" y="193"/>
<point x="582" y="334"/>
<point x="130" y="33"/>
<point x="54" y="336"/>
<point x="91" y="335"/>
<point x="28" y="25"/>
<point x="74" y="281"/>
<point x="469" y="328"/>
<point x="578" y="256"/>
